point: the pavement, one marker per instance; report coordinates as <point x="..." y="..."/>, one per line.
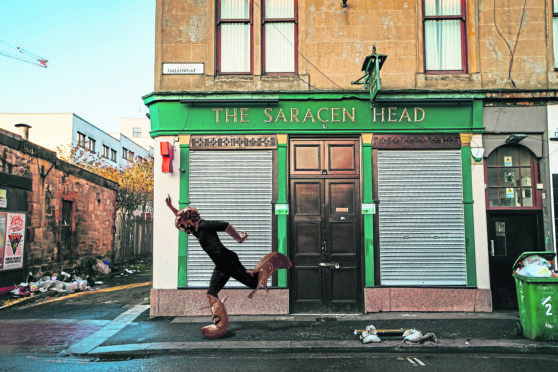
<point x="115" y="323"/>
<point x="134" y="333"/>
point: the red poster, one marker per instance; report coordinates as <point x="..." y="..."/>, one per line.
<point x="14" y="241"/>
<point x="2" y="238"/>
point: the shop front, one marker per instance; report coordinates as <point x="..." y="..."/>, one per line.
<point x="373" y="203"/>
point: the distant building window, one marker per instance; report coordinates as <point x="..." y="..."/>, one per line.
<point x="113" y="155"/>
<point x="92" y="144"/>
<point x="80" y="139"/>
<point x="444" y="35"/>
<point x="105" y="152"/>
<point x="130" y="155"/>
<point x="124" y="153"/>
<point x="136" y="132"/>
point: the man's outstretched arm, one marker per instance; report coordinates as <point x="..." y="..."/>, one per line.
<point x="169" y="204"/>
<point x="235" y="235"/>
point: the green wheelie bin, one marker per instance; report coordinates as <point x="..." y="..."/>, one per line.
<point x="538" y="302"/>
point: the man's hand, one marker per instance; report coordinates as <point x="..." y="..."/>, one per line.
<point x="243" y="236"/>
<point x="169" y="204"/>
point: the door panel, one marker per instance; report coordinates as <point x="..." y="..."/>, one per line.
<point x="342" y="157"/>
<point x="325" y="227"/>
<point x="509" y="235"/>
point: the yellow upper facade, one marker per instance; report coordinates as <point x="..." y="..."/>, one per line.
<point x="431" y="44"/>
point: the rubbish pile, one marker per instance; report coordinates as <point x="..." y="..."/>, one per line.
<point x="535" y="266"/>
<point x="370" y="334"/>
<point x="61" y="283"/>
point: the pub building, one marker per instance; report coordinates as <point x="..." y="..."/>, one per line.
<point x="377" y="203"/>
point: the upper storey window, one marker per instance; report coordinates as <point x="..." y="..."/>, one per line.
<point x="555" y="32"/>
<point x="234" y="36"/>
<point x="279" y="36"/>
<point x="444" y="36"/>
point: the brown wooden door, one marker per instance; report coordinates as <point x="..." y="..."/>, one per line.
<point x="325" y="227"/>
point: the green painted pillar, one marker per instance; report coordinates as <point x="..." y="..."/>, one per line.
<point x="183" y="202"/>
<point x="468" y="213"/>
<point x="282" y="219"/>
<point x="368" y="219"/>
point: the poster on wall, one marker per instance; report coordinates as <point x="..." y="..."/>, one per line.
<point x="2" y="238"/>
<point x="14" y="241"/>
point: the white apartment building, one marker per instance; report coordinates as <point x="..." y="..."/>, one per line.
<point x="55" y="131"/>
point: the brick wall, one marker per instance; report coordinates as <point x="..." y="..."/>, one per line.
<point x="71" y="211"/>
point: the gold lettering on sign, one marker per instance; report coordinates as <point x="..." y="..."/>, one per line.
<point x="334" y="115"/>
<point x="375" y="115"/>
<point x="308" y="115"/>
<point x="294" y="115"/>
<point x="394" y="115"/>
<point x="266" y="113"/>
<point x="405" y="114"/>
<point x="281" y="114"/>
<point x="217" y="111"/>
<point x="417" y="109"/>
<point x="391" y="114"/>
<point x="227" y="115"/>
<point x="244" y="115"/>
<point x="346" y="114"/>
<point x="319" y="118"/>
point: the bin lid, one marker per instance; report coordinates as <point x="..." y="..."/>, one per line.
<point x="547" y="255"/>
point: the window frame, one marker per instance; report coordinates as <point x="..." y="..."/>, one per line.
<point x="218" y="22"/>
<point x="91" y="144"/>
<point x="124" y="153"/>
<point x="464" y="52"/>
<point x="266" y="21"/>
<point x="105" y="153"/>
<point x="136" y="132"/>
<point x="81" y="139"/>
<point x="554" y="42"/>
<point x="534" y="173"/>
<point x="113" y="155"/>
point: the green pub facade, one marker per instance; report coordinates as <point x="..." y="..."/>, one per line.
<point x="373" y="202"/>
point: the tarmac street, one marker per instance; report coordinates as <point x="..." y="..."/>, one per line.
<point x="114" y="322"/>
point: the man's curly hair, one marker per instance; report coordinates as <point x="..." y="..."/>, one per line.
<point x="187" y="220"/>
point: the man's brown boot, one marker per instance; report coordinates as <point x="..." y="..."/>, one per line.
<point x="219" y="317"/>
<point x="267" y="266"/>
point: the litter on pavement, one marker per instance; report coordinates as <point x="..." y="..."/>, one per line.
<point x="370" y="334"/>
<point x="82" y="279"/>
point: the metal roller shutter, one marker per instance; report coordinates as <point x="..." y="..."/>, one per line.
<point x="421" y="227"/>
<point x="232" y="186"/>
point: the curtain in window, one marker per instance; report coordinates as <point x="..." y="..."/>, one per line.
<point x="279" y="47"/>
<point x="280" y="37"/>
<point x="279" y="9"/>
<point x="443" y="45"/>
<point x="235" y="37"/>
<point x="235" y="9"/>
<point x="555" y="33"/>
<point x="235" y="47"/>
<point x="443" y="37"/>
<point x="442" y="7"/>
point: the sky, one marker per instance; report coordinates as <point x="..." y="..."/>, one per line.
<point x="100" y="58"/>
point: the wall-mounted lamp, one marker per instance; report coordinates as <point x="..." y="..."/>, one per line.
<point x="515" y="138"/>
<point x="344" y="3"/>
<point x="167" y="152"/>
<point x="477" y="153"/>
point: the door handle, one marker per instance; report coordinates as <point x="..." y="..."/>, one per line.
<point x="329" y="264"/>
<point x="492" y="248"/>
